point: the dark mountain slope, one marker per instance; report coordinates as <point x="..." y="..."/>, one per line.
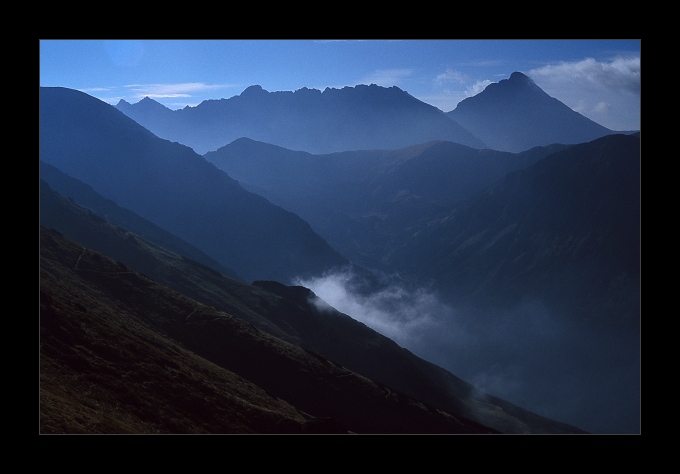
<point x="103" y="370"/>
<point x="123" y="354"/>
<point x="176" y="189"/>
<point x="545" y="266"/>
<point x="548" y="255"/>
<point x="351" y="118"/>
<point x="515" y="115"/>
<point x="361" y="201"/>
<point x="84" y="195"/>
<point x="566" y="228"/>
<point x="295" y="315"/>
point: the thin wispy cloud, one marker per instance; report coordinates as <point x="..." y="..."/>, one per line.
<point x="452" y="86"/>
<point x="408" y="317"/>
<point x="164" y="91"/>
<point x="96" y="89"/>
<point x="386" y="77"/>
<point x="451" y="75"/>
<point x="621" y="74"/>
<point x="452" y="78"/>
<point x="601" y="90"/>
<point x="477" y="87"/>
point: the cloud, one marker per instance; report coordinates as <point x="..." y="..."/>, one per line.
<point x="451" y="75"/>
<point x="386" y="77"/>
<point x="95" y="89"/>
<point x="528" y="355"/>
<point x="607" y="92"/>
<point x="620" y="74"/>
<point x="185" y="89"/>
<point x="602" y="107"/>
<point x="402" y="315"/>
<point x="452" y="86"/>
<point x="477" y="87"/>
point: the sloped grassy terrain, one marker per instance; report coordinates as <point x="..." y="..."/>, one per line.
<point x="120" y="353"/>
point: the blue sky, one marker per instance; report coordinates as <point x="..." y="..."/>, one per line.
<point x="598" y="78"/>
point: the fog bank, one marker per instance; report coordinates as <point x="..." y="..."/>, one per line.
<point x="527" y="355"/>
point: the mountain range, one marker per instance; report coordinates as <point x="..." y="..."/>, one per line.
<point x="362" y="200"/>
<point x="546" y="238"/>
<point x="177" y="190"/>
<point x="289" y="318"/>
<point x="540" y="245"/>
<point x="511" y="115"/>
<point x="361" y="117"/>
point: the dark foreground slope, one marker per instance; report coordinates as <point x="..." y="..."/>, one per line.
<point x="351" y="118"/>
<point x="176" y="189"/>
<point x="295" y="314"/>
<point x="120" y="353"/>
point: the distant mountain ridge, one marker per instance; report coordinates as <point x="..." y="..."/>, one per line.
<point x="515" y="115"/>
<point x="351" y="118"/>
<point x="354" y="197"/>
<point x="176" y="189"/>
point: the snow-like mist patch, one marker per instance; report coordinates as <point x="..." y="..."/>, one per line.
<point x="409" y="317"/>
<point x="526" y="354"/>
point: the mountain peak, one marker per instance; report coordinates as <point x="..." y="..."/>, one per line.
<point x="148" y="103"/>
<point x="252" y="91"/>
<point x="515" y="114"/>
<point x="518" y="79"/>
<point x="517" y="76"/>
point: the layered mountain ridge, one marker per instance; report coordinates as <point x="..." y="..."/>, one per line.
<point x="370" y="195"/>
<point x="176" y="189"/>
<point x="285" y="312"/>
<point x="539" y="245"/>
<point x="544" y="238"/>
<point x="350" y="118"/>
<point x="512" y="115"/>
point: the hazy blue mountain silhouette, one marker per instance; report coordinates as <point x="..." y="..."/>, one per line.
<point x="53" y="180"/>
<point x="176" y="189"/>
<point x="351" y="118"/>
<point x="360" y="201"/>
<point x="572" y="217"/>
<point x="515" y="114"/>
